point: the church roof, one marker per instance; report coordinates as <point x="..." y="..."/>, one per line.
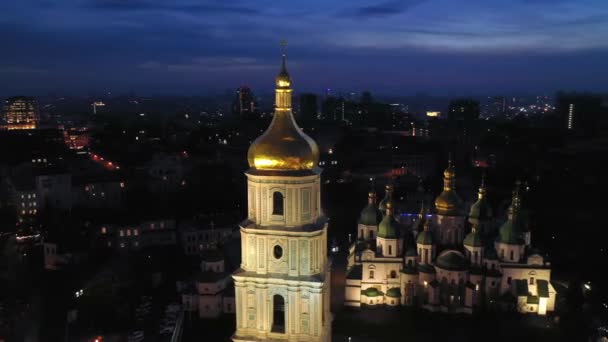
<point x="370" y="215"/>
<point x="451" y="260"/>
<point x="388" y="228"/>
<point x="473" y="239"/>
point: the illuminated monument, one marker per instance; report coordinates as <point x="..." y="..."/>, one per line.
<point x="282" y="286"/>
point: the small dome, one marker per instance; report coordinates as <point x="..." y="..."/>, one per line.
<point x="511" y="232"/>
<point x="473" y="239"/>
<point x="480" y="210"/>
<point x="451" y="260"/>
<point x="425" y="237"/>
<point x="448" y="203"/>
<point x="370" y="215"/>
<point x="389" y="227"/>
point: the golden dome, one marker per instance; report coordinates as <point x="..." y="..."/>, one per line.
<point x="448" y="202"/>
<point x="283" y="146"/>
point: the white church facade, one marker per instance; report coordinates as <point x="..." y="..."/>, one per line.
<point x="433" y="265"/>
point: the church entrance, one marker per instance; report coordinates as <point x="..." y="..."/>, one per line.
<point x="278" y="316"/>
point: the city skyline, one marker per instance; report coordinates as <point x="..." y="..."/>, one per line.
<point x="389" y="47"/>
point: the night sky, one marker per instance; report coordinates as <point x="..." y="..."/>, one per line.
<point x="442" y="47"/>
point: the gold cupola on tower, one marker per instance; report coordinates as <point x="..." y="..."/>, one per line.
<point x="283" y="147"/>
<point x="448" y="202"/>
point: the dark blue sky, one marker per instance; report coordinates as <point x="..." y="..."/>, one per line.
<point x="439" y="47"/>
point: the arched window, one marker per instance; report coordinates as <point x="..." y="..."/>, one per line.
<point x="393" y="274"/>
<point x="277" y="203"/>
<point x="278" y="314"/>
<point x="371" y="274"/>
<point x="512" y="257"/>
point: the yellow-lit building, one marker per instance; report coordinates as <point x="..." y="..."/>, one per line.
<point x="20" y="112"/>
<point x="282" y="286"/>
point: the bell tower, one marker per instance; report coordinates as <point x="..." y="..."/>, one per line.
<point x="282" y="285"/>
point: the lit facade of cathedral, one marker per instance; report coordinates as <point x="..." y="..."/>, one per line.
<point x="433" y="265"/>
<point x="282" y="285"/>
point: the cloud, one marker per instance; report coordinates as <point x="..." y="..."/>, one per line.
<point x="386" y="8"/>
<point x="210" y="64"/>
<point x="179" y="6"/>
<point x="22" y="70"/>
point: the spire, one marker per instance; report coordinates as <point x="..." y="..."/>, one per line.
<point x="283" y="83"/>
<point x="427" y="225"/>
<point x="422" y="213"/>
<point x="482" y="187"/>
<point x="388" y="196"/>
<point x="449" y="175"/>
<point x="371" y="198"/>
<point x="516" y="201"/>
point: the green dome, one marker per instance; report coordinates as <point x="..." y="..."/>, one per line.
<point x="510" y="233"/>
<point x="425" y="237"/>
<point x="388" y="228"/>
<point x="480" y="210"/>
<point x="394" y="292"/>
<point x="370" y="215"/>
<point x="372" y="292"/>
<point x="473" y="239"/>
<point x="451" y="260"/>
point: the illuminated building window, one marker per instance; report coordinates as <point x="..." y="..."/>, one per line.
<point x="122" y="245"/>
<point x="103" y="230"/>
<point x="136" y="243"/>
<point x="135" y="232"/>
<point x="128" y="232"/>
<point x="122" y="233"/>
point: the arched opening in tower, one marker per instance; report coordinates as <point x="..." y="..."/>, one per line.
<point x="278" y="316"/>
<point x="277" y="203"/>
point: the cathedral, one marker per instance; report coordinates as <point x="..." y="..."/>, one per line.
<point x="282" y="285"/>
<point x="432" y="264"/>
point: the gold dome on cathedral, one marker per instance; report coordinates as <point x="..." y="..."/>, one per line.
<point x="284" y="146"/>
<point x="448" y="202"/>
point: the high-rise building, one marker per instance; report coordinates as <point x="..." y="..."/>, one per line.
<point x="20" y="112"/>
<point x="463" y="110"/>
<point x="499" y="105"/>
<point x="282" y="285"/>
<point x="579" y="113"/>
<point x="244" y="103"/>
<point x="332" y="108"/>
<point x="308" y="107"/>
